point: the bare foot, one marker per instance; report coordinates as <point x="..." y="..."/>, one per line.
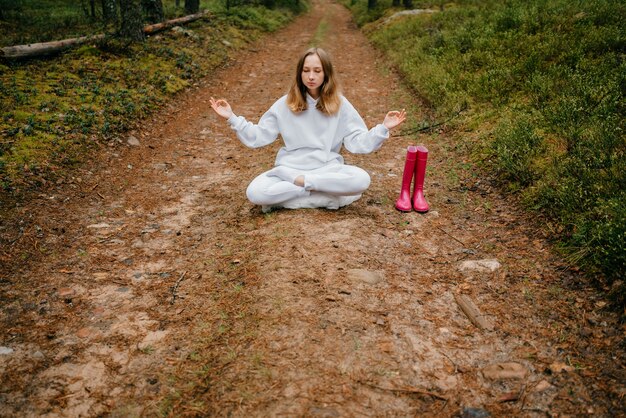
<point x="299" y="181"/>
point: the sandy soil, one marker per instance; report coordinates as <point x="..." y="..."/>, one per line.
<point x="150" y="285"/>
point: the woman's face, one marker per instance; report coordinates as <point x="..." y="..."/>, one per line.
<point x="313" y="74"/>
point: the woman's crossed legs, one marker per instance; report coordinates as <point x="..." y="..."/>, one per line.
<point x="338" y="184"/>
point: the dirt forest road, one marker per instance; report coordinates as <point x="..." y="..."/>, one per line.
<point x="163" y="291"/>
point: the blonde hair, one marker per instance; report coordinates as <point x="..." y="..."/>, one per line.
<point x="329" y="100"/>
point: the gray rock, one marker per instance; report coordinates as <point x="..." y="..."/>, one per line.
<point x="469" y="412"/>
<point x="326" y="412"/>
<point x="480" y="265"/>
<point x="367" y="276"/>
<point x="132" y="141"/>
<point x="5" y="351"/>
<point x="99" y="226"/>
<point x="161" y="166"/>
<point x="186" y="32"/>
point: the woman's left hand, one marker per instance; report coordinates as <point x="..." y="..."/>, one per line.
<point x="394" y="118"/>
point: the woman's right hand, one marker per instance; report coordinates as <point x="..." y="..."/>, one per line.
<point x="222" y="108"/>
<point x="394" y="118"/>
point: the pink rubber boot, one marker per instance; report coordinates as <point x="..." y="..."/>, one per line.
<point x="419" y="201"/>
<point x="404" y="201"/>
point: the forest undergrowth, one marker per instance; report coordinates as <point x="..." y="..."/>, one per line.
<point x="535" y="92"/>
<point x="55" y="109"/>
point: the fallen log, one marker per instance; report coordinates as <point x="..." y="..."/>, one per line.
<point x="53" y="47"/>
<point x="45" y="48"/>
<point x="157" y="27"/>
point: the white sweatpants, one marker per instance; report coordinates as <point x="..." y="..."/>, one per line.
<point x="336" y="180"/>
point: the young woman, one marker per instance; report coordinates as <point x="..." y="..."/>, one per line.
<point x="314" y="120"/>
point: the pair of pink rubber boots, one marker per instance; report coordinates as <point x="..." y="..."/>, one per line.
<point x="415" y="166"/>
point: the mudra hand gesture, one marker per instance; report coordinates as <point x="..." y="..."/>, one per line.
<point x="222" y="108"/>
<point x="394" y="118"/>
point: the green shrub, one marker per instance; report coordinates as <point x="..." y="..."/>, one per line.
<point x="515" y="148"/>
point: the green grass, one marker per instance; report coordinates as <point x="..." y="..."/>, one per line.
<point x="543" y="83"/>
<point x="320" y="33"/>
<point x="55" y="109"/>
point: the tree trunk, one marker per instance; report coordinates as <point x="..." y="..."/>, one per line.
<point x="92" y="8"/>
<point x="83" y="5"/>
<point x="192" y="6"/>
<point x="408" y="4"/>
<point x="153" y="10"/>
<point x="395" y="3"/>
<point x="132" y="21"/>
<point x="177" y="3"/>
<point x="109" y="11"/>
<point x="371" y="4"/>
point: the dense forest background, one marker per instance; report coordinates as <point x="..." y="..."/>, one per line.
<point x="29" y="21"/>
